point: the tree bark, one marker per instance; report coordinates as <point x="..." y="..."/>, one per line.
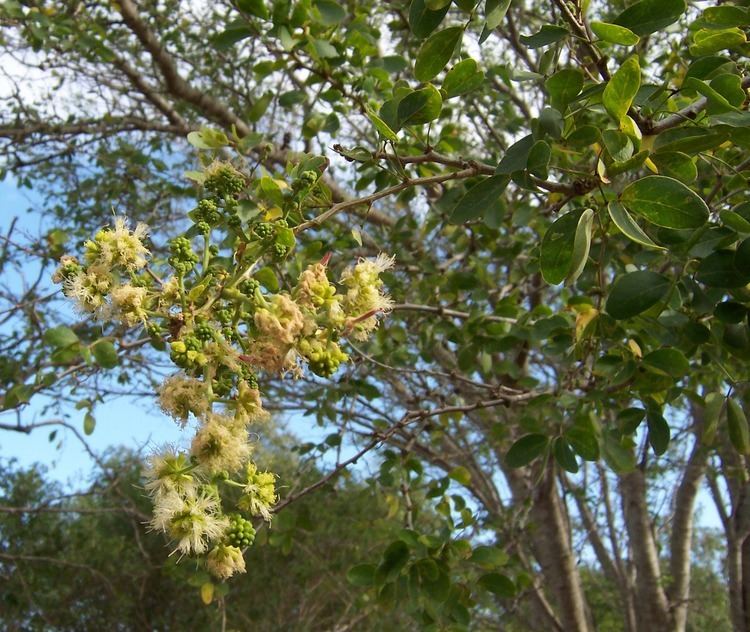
<point x="682" y="528"/>
<point x="552" y="548"/>
<point x="652" y="614"/>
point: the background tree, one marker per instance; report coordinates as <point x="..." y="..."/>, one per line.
<point x="499" y="150"/>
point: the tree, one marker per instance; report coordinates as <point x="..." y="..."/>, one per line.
<point x="89" y="560"/>
<point x="562" y="185"/>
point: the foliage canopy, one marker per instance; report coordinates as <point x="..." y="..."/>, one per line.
<point x="563" y="186"/>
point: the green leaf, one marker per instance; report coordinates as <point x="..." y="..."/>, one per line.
<point x="208" y="138"/>
<point x="649" y="16"/>
<point x="331" y="12"/>
<point x="658" y="433"/>
<point x="105" y="354"/>
<point x="635" y="292"/>
<point x="420" y="107"/>
<point x="60" y="337"/>
<point x="267" y="278"/>
<point x="488" y="557"/>
<point x="394" y="559"/>
<point x="671" y="362"/>
<point x="461" y="475"/>
<point x="619" y="145"/>
<point x="516" y="156"/>
<point x="614" y="34"/>
<point x="436" y="5"/>
<point x="254" y="7"/>
<point x="436" y="52"/>
<point x="565" y="456"/>
<point x="526" y="449"/>
<point x="727" y="15"/>
<point x="498" y="584"/>
<point x="548" y="34"/>
<point x="581" y="246"/>
<point x="618" y="457"/>
<point x="478" y="199"/>
<point x="557" y="247"/>
<point x="258" y="109"/>
<point x="361" y="575"/>
<point x="707" y="41"/>
<point x="584" y="442"/>
<point x="717" y="101"/>
<point x="721" y="269"/>
<point x="551" y="122"/>
<point x="462" y="78"/>
<point x="494" y="12"/>
<point x="380" y="125"/>
<point x="622" y="87"/>
<point x="422" y="20"/>
<point x="676" y="164"/>
<point x="628" y="226"/>
<point x="739" y="434"/>
<point x="665" y="202"/>
<point x="89" y="423"/>
<point x="230" y="36"/>
<point x="563" y="87"/>
<point x="712" y="414"/>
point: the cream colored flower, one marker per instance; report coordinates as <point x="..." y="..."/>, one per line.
<point x="221" y="445"/>
<point x="180" y="395"/>
<point x="194" y="520"/>
<point x="259" y="492"/>
<point x="128" y="302"/>
<point x="224" y="561"/>
<point x="249" y="405"/>
<point x="118" y="246"/>
<point x="169" y="472"/>
<point x="89" y="288"/>
<point x="281" y="321"/>
<point x="365" y="297"/>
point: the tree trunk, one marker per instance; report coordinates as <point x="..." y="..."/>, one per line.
<point x="652" y="613"/>
<point x="682" y="528"/>
<point x="549" y="533"/>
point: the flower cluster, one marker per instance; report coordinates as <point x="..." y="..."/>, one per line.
<point x="222" y="320"/>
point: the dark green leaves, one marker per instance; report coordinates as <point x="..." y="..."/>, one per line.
<point x="565" y="247"/>
<point x="526" y="449"/>
<point x="516" y="157"/>
<point x="105" y="354"/>
<point x="498" y="584"/>
<point x="394" y="559"/>
<point x="422" y="20"/>
<point x="361" y="575"/>
<point x="726" y="268"/>
<point x="563" y="87"/>
<point x="420" y="106"/>
<point x="89" y="423"/>
<point x="658" y="432"/>
<point x="548" y="34"/>
<point x="436" y="53"/>
<point x="478" y="199"/>
<point x="622" y="87"/>
<point x="565" y="456"/>
<point x="739" y="434"/>
<point x="635" y="292"/>
<point x="462" y="78"/>
<point x="628" y="226"/>
<point x="665" y="202"/>
<point x="649" y="16"/>
<point x="494" y="12"/>
<point x="60" y="337"/>
<point x="380" y="125"/>
<point x="614" y="34"/>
